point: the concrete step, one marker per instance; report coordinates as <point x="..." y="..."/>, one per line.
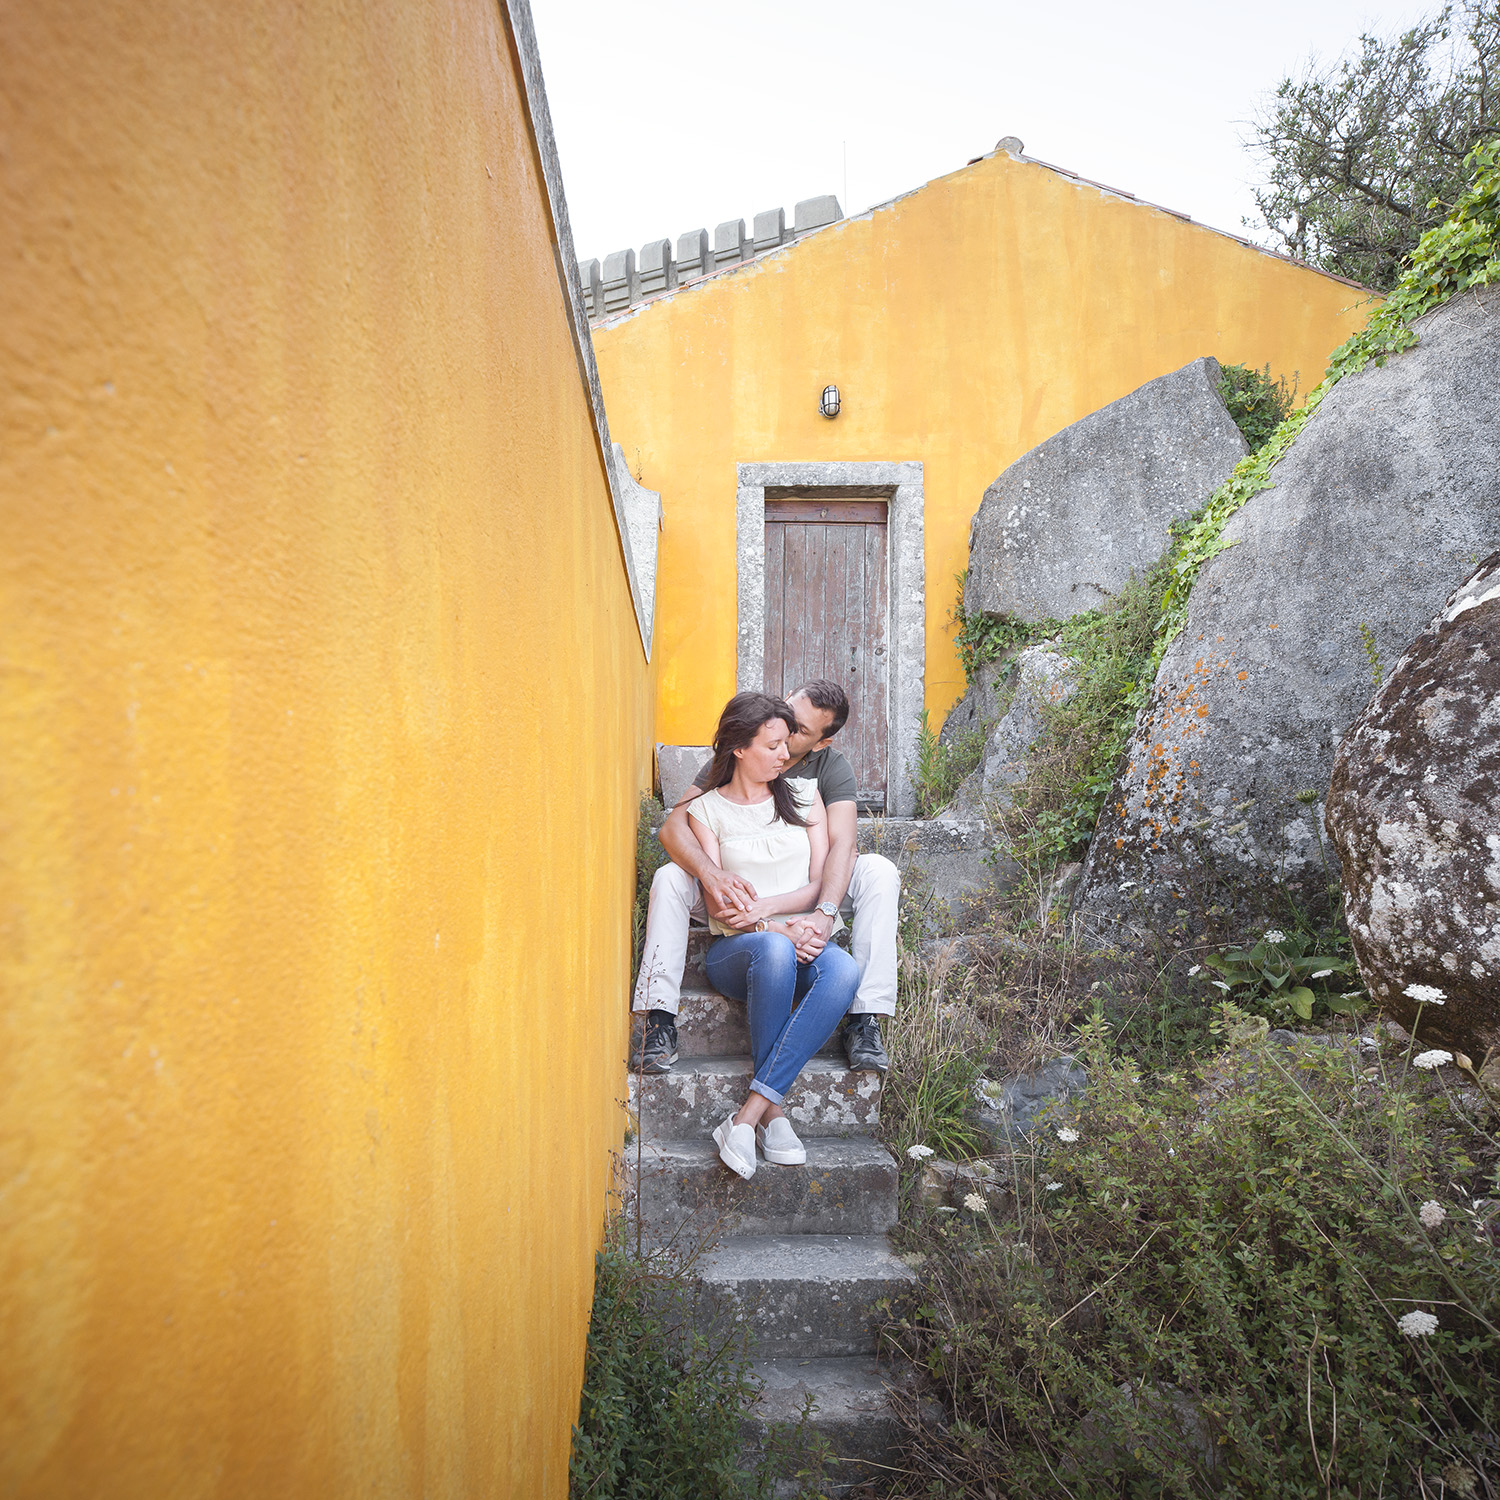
<point x="811" y="1296"/>
<point x="699" y="1092"/>
<point x="712" y="1025"/>
<point x="852" y="1412"/>
<point x="846" y="1187"/>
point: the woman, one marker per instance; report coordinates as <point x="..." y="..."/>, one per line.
<point x="773" y="832"/>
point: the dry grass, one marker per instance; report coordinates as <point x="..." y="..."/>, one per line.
<point x="1001" y="999"/>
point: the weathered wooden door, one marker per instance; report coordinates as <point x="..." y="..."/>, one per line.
<point x="826" y="616"/>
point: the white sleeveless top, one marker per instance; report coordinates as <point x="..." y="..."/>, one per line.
<point x="773" y="856"/>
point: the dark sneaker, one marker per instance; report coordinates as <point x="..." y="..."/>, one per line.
<point x="658" y="1049"/>
<point x="863" y="1045"/>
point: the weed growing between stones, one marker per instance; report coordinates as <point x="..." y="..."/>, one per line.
<point x="660" y="1413"/>
<point x="1258" y="404"/>
<point x="982" y="638"/>
<point x="941" y="768"/>
<point x="935" y="1045"/>
<point x="1276" y="1277"/>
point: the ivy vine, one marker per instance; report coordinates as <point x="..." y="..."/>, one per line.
<point x="1462" y="252"/>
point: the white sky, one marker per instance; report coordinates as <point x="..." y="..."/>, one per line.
<point x="670" y="116"/>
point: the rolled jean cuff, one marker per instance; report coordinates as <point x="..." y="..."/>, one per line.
<point x="766" y="1091"/>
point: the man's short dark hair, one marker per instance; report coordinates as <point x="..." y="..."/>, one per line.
<point x="828" y="696"/>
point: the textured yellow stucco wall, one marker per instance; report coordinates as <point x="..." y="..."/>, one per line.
<point x="963" y="324"/>
<point x="323" y="715"/>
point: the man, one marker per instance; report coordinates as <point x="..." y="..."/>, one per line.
<point x="693" y="883"/>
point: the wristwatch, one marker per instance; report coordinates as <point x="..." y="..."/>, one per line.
<point x="829" y="910"/>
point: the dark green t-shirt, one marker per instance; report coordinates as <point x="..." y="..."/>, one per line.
<point x="834" y="775"/>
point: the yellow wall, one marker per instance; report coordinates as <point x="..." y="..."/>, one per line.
<point x="963" y="324"/>
<point x="322" y="720"/>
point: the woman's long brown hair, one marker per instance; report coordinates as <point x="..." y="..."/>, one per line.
<point x="740" y="722"/>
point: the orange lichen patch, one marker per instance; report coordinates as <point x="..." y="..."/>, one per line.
<point x="1119" y="843"/>
<point x="1158" y="772"/>
<point x="1273" y="626"/>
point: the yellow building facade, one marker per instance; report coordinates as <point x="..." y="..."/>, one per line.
<point x="324" y="717"/>
<point x="962" y="324"/>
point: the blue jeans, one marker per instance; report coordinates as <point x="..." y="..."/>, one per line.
<point x="792" y="1007"/>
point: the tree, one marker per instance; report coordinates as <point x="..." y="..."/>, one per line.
<point x="1362" y="157"/>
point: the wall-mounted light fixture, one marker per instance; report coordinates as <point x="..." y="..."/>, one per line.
<point x="829" y="405"/>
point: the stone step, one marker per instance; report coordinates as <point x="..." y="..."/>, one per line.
<point x="811" y="1296"/>
<point x="712" y="1025"/>
<point x="699" y="1092"/>
<point x="852" y="1412"/>
<point x="846" y="1187"/>
<point x="694" y="975"/>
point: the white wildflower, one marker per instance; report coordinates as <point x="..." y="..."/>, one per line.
<point x="1322" y="973"/>
<point x="975" y="1203"/>
<point x="1053" y="1187"/>
<point x="1426" y="994"/>
<point x="1194" y="970"/>
<point x="1417" y="1325"/>
<point x="1171" y="1150"/>
<point x="1219" y="984"/>
<point x="918" y="1152"/>
<point x="1276" y="935"/>
<point x="1432" y="1213"/>
<point x="1434" y="1059"/>
<point x="1067" y="1135"/>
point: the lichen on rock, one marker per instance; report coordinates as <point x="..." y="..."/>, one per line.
<point x="1414" y="810"/>
<point x="1378" y="508"/>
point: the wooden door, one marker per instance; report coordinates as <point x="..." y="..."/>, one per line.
<point x="826" y="616"/>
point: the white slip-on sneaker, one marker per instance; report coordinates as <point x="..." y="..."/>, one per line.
<point x="736" y="1145"/>
<point x="779" y="1143"/>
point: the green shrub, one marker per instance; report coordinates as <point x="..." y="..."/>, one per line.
<point x="1258" y="404"/>
<point x="659" y="1415"/>
<point x="1201" y="1293"/>
<point x="1278" y="972"/>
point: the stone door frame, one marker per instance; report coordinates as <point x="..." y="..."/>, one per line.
<point x="899" y="484"/>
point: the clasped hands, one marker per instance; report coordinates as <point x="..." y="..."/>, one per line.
<point x="731" y="899"/>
